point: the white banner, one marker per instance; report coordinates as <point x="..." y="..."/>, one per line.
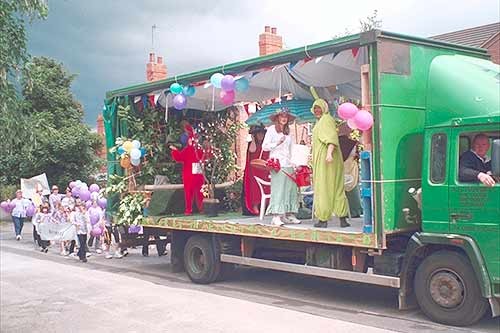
<point x="28" y="186"/>
<point x="56" y="231"/>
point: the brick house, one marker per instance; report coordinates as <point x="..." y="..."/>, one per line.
<point x="485" y="36"/>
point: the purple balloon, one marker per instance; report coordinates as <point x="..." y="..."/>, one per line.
<point x="180" y="102"/>
<point x="94" y="188"/>
<point x="12" y="205"/>
<point x="72" y="184"/>
<point x="102" y="202"/>
<point x="134" y="229"/>
<point x="6" y="206"/>
<point x="96" y="231"/>
<point x="227" y="83"/>
<point x="84" y="195"/>
<point x="30" y="211"/>
<point x="75" y="191"/>
<point x="88" y="204"/>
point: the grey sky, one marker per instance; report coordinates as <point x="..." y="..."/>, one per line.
<point x="107" y="42"/>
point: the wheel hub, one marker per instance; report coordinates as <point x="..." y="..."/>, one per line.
<point x="447" y="289"/>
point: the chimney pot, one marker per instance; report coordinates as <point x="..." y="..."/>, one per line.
<point x="267" y="28"/>
<point x="151" y="57"/>
<point x="159" y="60"/>
<point x="273" y="31"/>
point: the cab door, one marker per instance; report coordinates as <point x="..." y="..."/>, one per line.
<point x="474" y="209"/>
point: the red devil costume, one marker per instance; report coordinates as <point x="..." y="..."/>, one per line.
<point x="191" y="157"/>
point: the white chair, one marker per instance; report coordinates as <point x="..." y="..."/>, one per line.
<point x="263" y="195"/>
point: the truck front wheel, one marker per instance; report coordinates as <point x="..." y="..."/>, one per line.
<point x="447" y="290"/>
<point x="201" y="263"/>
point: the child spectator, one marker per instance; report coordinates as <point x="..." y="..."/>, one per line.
<point x="43" y="216"/>
<point x="80" y="219"/>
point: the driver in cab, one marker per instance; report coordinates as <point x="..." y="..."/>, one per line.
<point x="474" y="164"/>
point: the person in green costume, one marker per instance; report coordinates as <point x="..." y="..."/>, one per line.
<point x="328" y="168"/>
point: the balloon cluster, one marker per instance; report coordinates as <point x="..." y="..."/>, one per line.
<point x="8" y="206"/>
<point x="181" y="92"/>
<point x="228" y="85"/>
<point x="130" y="152"/>
<point x="356" y="119"/>
<point x="88" y="194"/>
<point x="273" y="164"/>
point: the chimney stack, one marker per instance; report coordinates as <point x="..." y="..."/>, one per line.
<point x="155" y="68"/>
<point x="269" y="41"/>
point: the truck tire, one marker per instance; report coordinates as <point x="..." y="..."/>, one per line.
<point x="201" y="263"/>
<point x="447" y="290"/>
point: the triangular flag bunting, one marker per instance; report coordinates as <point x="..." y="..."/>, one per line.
<point x="355" y="51"/>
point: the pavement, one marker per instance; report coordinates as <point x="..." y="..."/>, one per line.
<point x="51" y="293"/>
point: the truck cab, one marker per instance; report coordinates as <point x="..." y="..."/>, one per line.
<point x="460" y="218"/>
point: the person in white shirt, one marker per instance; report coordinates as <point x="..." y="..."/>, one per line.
<point x="54" y="199"/>
<point x="68" y="202"/>
<point x="19" y="213"/>
<point x="284" y="201"/>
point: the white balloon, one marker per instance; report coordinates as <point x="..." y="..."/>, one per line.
<point x="136" y="144"/>
<point x="135" y="154"/>
<point x="135" y="162"/>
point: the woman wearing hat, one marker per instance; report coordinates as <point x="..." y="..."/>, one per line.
<point x="283" y="204"/>
<point x="251" y="193"/>
<point x="328" y="168"/>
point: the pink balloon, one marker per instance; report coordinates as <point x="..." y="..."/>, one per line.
<point x="363" y="120"/>
<point x="347" y="110"/>
<point x="96" y="231"/>
<point x="72" y="184"/>
<point x="4" y="205"/>
<point x="227" y="83"/>
<point x="227" y="97"/>
<point x="351" y="124"/>
<point x="94" y="188"/>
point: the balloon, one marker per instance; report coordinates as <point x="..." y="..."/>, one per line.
<point x="102" y="202"/>
<point x="30" y="211"/>
<point x="134" y="229"/>
<point x="175" y="88"/>
<point x="189" y="90"/>
<point x="363" y="120"/>
<point x="94" y="196"/>
<point x="241" y="84"/>
<point x="84" y="194"/>
<point x="125" y="162"/>
<point x="72" y="184"/>
<point x="227" y="83"/>
<point x="351" y="124"/>
<point x="143" y="151"/>
<point x="75" y="191"/>
<point x="347" y="110"/>
<point x="120" y="150"/>
<point x="127" y="145"/>
<point x="94" y="188"/>
<point x="88" y="204"/>
<point x="136" y="144"/>
<point x="96" y="231"/>
<point x="216" y="79"/>
<point x="180" y="102"/>
<point x="135" y="162"/>
<point x="135" y="154"/>
<point x="78" y="183"/>
<point x="227" y="97"/>
<point x="5" y="206"/>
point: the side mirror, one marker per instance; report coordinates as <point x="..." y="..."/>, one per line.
<point x="495" y="157"/>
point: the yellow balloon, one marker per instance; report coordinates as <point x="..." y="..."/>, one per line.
<point x="127" y="145"/>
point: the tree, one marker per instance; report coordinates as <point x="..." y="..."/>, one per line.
<point x="13" y="54"/>
<point x="366" y="24"/>
<point x="51" y="137"/>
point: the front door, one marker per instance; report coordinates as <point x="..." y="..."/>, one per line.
<point x="474" y="208"/>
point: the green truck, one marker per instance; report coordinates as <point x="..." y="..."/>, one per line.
<point x="424" y="231"/>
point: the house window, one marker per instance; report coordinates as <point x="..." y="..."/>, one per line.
<point x="438" y="158"/>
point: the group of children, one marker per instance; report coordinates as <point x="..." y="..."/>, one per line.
<point x="75" y="218"/>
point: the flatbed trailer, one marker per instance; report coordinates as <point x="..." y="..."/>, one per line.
<point x="428" y="99"/>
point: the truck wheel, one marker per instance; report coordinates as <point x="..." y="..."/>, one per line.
<point x="200" y="260"/>
<point x="447" y="290"/>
